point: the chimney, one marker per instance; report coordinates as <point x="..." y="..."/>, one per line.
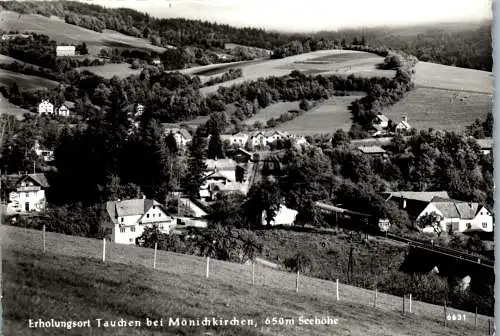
<point x="404" y="118"/>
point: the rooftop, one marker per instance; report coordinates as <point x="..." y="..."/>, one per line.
<point x="423" y="196"/>
<point x="371" y="149"/>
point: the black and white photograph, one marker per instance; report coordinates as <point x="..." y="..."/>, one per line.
<point x="247" y="167"/>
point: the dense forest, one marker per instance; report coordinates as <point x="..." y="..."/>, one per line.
<point x="461" y="45"/>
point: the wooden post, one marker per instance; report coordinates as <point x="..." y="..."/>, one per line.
<point x="297" y="282"/>
<point x="489" y="327"/>
<point x="337" y="291"/>
<point x="103" y="249"/>
<point x="475" y="319"/>
<point x="375" y="298"/>
<point x="445" y="313"/>
<point x="253" y="272"/>
<point x="43" y="234"/>
<point x="154" y="260"/>
<point x="404" y="303"/>
<point x="208" y="265"/>
<point x="410" y="304"/>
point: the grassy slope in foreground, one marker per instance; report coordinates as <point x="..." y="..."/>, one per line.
<point x="70" y="283"/>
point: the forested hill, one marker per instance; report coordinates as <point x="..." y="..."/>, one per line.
<point x="161" y="32"/>
<point x="463" y="45"/>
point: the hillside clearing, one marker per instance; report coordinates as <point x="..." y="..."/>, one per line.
<point x="70" y="283"/>
<point x="122" y="70"/>
<point x="62" y="32"/>
<point x="435" y="108"/>
<point x="452" y="78"/>
<point x="27" y="82"/>
<point x="327" y="117"/>
<point x="272" y="111"/>
<point x="11" y="109"/>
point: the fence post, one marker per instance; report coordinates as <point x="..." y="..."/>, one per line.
<point x="337" y="291"/>
<point x="43" y="234"/>
<point x="208" y="265"/>
<point x="103" y="249"/>
<point x="154" y="260"/>
<point x="445" y="313"/>
<point x="410" y="304"/>
<point x="404" y="303"/>
<point x="375" y="298"/>
<point x="489" y="327"/>
<point x="253" y="272"/>
<point x="297" y="282"/>
<point x="475" y="319"/>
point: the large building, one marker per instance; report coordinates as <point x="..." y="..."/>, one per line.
<point x="128" y="219"/>
<point x="65" y="51"/>
<point x="26" y="193"/>
<point x="45" y="107"/>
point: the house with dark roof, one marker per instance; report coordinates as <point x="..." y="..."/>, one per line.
<point x="26" y="193"/>
<point x="459" y="216"/>
<point x="127" y="219"/>
<point x="413" y="202"/>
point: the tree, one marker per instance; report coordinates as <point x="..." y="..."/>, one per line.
<point x="250" y="244"/>
<point x="150" y="236"/>
<point x="196" y="164"/>
<point x="300" y="262"/>
<point x="171" y="143"/>
<point x="431" y="219"/>
<point x="215" y="147"/>
<point x="340" y="138"/>
<point x="263" y="198"/>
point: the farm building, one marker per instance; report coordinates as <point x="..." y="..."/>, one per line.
<point x="45" y="107"/>
<point x="127" y="219"/>
<point x="65" y="51"/>
<point x="403" y="126"/>
<point x="458" y="216"/>
<point x="26" y="192"/>
<point x="181" y="135"/>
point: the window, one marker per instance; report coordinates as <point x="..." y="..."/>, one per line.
<point x="122" y="230"/>
<point x="485" y="225"/>
<point x="154" y="215"/>
<point x="159" y="214"/>
<point x="147" y="215"/>
<point x="154" y="207"/>
<point x="131" y="240"/>
<point x="132" y="229"/>
<point x="469" y="225"/>
<point x="481" y="213"/>
<point x="121" y="219"/>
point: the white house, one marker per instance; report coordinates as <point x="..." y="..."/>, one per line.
<point x="65" y="109"/>
<point x="45" y="107"/>
<point x="459" y="216"/>
<point x="129" y="218"/>
<point x="239" y="139"/>
<point x="156" y="61"/>
<point x="403" y="125"/>
<point x="65" y="50"/>
<point x="27" y="193"/>
<point x="181" y="135"/>
<point x="284" y="216"/>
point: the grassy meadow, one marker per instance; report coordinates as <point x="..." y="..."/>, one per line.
<point x="71" y="282"/>
<point x="272" y="111"/>
<point x="62" y="32"/>
<point x="327" y="117"/>
<point x="435" y="108"/>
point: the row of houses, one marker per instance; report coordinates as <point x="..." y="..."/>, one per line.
<point x="64" y="110"/>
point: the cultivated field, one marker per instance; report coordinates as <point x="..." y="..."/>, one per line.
<point x="272" y="111"/>
<point x="70" y="283"/>
<point x="25" y="81"/>
<point x="8" y="108"/>
<point x="327" y="117"/>
<point x="453" y="78"/>
<point x="62" y="32"/>
<point x="340" y="62"/>
<point x="441" y="109"/>
<point x="121" y="70"/>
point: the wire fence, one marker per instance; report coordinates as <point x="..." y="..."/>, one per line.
<point x="231" y="273"/>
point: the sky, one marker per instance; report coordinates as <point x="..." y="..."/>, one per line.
<point x="312" y="15"/>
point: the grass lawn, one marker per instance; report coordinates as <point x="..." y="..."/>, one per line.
<point x="8" y="108"/>
<point x="324" y="118"/>
<point x="27" y="82"/>
<point x="453" y="78"/>
<point x="272" y="111"/>
<point x="62" y="32"/>
<point x="121" y="70"/>
<point x="69" y="282"/>
<point x="435" y="108"/>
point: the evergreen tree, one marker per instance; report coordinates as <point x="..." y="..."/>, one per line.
<point x="215" y="147"/>
<point x="196" y="164"/>
<point x="171" y="143"/>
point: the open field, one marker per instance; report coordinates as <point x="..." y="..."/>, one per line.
<point x="62" y="32"/>
<point x="272" y="111"/>
<point x="8" y="108"/>
<point x="327" y="117"/>
<point x="25" y="81"/>
<point x="70" y="283"/>
<point x="446" y="77"/>
<point x="441" y="109"/>
<point x="339" y="62"/>
<point x="121" y="70"/>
